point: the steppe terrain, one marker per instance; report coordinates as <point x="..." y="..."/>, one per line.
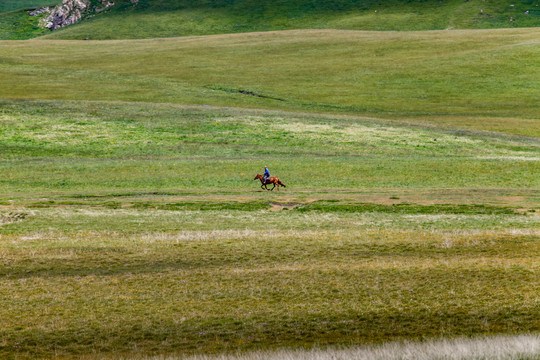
<point x="131" y="226"/>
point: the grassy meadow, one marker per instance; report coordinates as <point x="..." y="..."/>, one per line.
<point x="13" y="5"/>
<point x="131" y="226"/>
<point x="166" y="18"/>
<point x="137" y="229"/>
<point x="16" y="24"/>
<point x="172" y="18"/>
<point x="479" y="80"/>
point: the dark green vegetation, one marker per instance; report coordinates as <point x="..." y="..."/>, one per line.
<point x="404" y="208"/>
<point x="12" y="5"/>
<point x="17" y="25"/>
<point x="160" y="18"/>
<point x="166" y="18"/>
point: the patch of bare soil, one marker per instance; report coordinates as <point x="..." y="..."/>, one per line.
<point x="530" y="212"/>
<point x="280" y="206"/>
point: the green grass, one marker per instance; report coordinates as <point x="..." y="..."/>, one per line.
<point x="130" y="223"/>
<point x="12" y="5"/>
<point x="137" y="229"/>
<point x="140" y="289"/>
<point x="93" y="146"/>
<point x="458" y="79"/>
<point x="158" y="18"/>
<point x="404" y="208"/>
<point x="17" y="25"/>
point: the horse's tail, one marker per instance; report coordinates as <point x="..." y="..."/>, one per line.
<point x="280" y="183"/>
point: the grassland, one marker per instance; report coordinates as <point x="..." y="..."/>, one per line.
<point x="18" y="25"/>
<point x="480" y="80"/>
<point x="172" y="18"/>
<point x="110" y="293"/>
<point x="487" y="348"/>
<point x="130" y="224"/>
<point x="166" y="18"/>
<point x="90" y="142"/>
<point x="13" y="5"/>
<point x="137" y="229"/>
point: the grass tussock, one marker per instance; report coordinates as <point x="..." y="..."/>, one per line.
<point x="12" y="217"/>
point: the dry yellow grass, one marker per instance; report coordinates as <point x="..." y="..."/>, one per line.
<point x="523" y="347"/>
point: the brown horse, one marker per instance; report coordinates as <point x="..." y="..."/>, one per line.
<point x="271" y="180"/>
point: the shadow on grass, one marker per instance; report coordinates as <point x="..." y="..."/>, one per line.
<point x="155" y="332"/>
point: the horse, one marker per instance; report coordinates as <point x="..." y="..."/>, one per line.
<point x="271" y="180"/>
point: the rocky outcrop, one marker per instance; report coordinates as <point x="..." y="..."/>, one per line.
<point x="40" y="11"/>
<point x="72" y="11"/>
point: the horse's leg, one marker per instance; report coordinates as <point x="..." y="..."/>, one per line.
<point x="272" y="189"/>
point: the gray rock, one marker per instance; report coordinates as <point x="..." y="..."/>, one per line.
<point x="40" y="11"/>
<point x="72" y="11"/>
<point x="106" y="5"/>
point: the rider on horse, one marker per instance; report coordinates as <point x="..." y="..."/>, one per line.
<point x="266" y="174"/>
<point x="267" y="180"/>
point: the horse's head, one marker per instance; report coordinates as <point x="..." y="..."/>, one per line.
<point x="258" y="176"/>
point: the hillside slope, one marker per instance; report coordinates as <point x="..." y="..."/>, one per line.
<point x="12" y="5"/>
<point x="171" y="18"/>
<point x="160" y="18"/>
<point x="16" y="23"/>
<point x="479" y="79"/>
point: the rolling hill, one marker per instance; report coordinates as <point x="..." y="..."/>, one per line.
<point x="458" y="78"/>
<point x="16" y="23"/>
<point x="12" y="5"/>
<point x="131" y="224"/>
<point x="160" y="18"/>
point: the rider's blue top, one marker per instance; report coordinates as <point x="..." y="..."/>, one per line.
<point x="266" y="172"/>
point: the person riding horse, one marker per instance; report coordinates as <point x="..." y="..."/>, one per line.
<point x="266" y="174"/>
<point x="268" y="180"/>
